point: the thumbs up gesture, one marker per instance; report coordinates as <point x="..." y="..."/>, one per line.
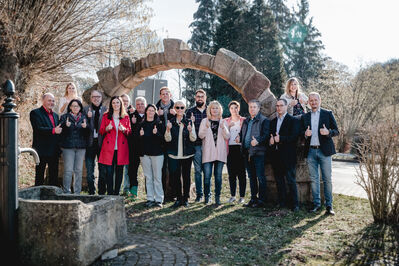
<point x="168" y="125"/>
<point x="160" y="111"/>
<point x="192" y="117"/>
<point x="155" y="130"/>
<point x="131" y="109"/>
<point x="84" y="125"/>
<point x="189" y="127"/>
<point x="237" y="139"/>
<point x="172" y="111"/>
<point x="277" y="138"/>
<point x="89" y="113"/>
<point x="121" y="127"/>
<point x="58" y="129"/>
<point x="308" y="132"/>
<point x="324" y="131"/>
<point x="134" y="119"/>
<point x="141" y="132"/>
<point x="109" y="127"/>
<point x="254" y="142"/>
<point x="68" y="123"/>
<point x="271" y="139"/>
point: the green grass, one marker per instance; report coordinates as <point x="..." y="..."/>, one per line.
<point x="233" y="234"/>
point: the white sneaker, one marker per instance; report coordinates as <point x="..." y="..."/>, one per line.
<point x="241" y="201"/>
<point x="232" y="199"/>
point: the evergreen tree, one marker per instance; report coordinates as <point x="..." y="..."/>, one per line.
<point x="264" y="50"/>
<point x="203" y="31"/>
<point x="305" y="59"/>
<point x="284" y="19"/>
<point x="229" y="35"/>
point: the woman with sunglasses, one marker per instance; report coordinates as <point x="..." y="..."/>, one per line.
<point x="180" y="137"/>
<point x="74" y="140"/>
<point x="115" y="127"/>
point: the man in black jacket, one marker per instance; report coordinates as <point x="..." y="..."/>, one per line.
<point x="254" y="135"/>
<point x="134" y="148"/>
<point x="94" y="114"/>
<point x="283" y="140"/>
<point x="319" y="127"/>
<point x="46" y="132"/>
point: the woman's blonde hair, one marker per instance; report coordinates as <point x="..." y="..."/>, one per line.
<point x="288" y="85"/>
<point x="66" y="89"/>
<point x="208" y="109"/>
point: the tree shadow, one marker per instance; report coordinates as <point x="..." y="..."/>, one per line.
<point x="377" y="244"/>
<point x="227" y="234"/>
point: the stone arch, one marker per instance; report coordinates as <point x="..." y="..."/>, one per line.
<point x="235" y="70"/>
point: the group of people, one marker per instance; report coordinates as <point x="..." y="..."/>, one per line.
<point x="167" y="138"/>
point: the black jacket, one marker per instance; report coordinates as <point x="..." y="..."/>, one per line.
<point x="170" y="116"/>
<point x="259" y="130"/>
<point x="285" y="150"/>
<point x="74" y="136"/>
<point x="326" y="142"/>
<point x="151" y="144"/>
<point x="188" y="145"/>
<point x="103" y="109"/>
<point x="44" y="141"/>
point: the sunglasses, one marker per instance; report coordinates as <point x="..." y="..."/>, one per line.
<point x="179" y="107"/>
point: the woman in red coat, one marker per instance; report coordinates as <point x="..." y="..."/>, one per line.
<point x="115" y="126"/>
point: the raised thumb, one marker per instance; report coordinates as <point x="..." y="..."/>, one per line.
<point x="308" y="127"/>
<point x="324" y="125"/>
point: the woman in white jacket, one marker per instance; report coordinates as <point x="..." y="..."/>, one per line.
<point x="296" y="99"/>
<point x="214" y="132"/>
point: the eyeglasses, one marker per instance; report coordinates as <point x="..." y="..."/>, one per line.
<point x="179" y="107"/>
<point x="97" y="97"/>
<point x="75" y="106"/>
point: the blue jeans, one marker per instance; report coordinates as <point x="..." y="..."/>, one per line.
<point x="126" y="183"/>
<point x="317" y="159"/>
<point x="198" y="168"/>
<point x="255" y="166"/>
<point x="218" y="168"/>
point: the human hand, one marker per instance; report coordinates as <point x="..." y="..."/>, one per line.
<point x="84" y="125"/>
<point x="168" y="125"/>
<point x="58" y="129"/>
<point x="277" y="138"/>
<point x="254" y="142"/>
<point x="121" y="127"/>
<point x="172" y="111"/>
<point x="324" y="131"/>
<point x="109" y="127"/>
<point x="134" y="119"/>
<point x="271" y="139"/>
<point x="308" y="132"/>
<point x="68" y="123"/>
<point x="155" y="130"/>
<point x="160" y="111"/>
<point x="89" y="113"/>
<point x="141" y="132"/>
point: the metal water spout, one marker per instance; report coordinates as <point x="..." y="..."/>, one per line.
<point x="9" y="152"/>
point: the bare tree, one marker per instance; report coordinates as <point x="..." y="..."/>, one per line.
<point x="48" y="36"/>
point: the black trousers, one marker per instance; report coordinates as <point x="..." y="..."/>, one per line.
<point x="134" y="162"/>
<point x="108" y="174"/>
<point x="285" y="174"/>
<point x="52" y="162"/>
<point x="236" y="169"/>
<point x="180" y="169"/>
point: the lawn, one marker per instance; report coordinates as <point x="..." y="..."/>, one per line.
<point x="232" y="234"/>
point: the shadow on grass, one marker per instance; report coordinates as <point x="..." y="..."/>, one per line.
<point x="228" y="234"/>
<point x="376" y="244"/>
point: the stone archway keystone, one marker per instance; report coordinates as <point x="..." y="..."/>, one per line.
<point x="235" y="70"/>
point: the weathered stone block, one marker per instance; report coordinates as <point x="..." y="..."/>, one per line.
<point x="156" y="59"/>
<point x="205" y="61"/>
<point x="241" y="71"/>
<point x="223" y="62"/>
<point x="172" y="50"/>
<point x="61" y="229"/>
<point x="126" y="69"/>
<point x="188" y="57"/>
<point x="107" y="79"/>
<point x="256" y="86"/>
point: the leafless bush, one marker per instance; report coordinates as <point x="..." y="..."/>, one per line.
<point x="378" y="173"/>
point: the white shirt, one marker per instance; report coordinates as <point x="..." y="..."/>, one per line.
<point x="314" y="120"/>
<point x="116" y="121"/>
<point x="280" y="121"/>
<point x="234" y="131"/>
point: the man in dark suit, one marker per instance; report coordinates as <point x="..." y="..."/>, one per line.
<point x="283" y="140"/>
<point x="319" y="127"/>
<point x="45" y="139"/>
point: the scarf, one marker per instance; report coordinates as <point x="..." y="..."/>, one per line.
<point x="96" y="110"/>
<point x="165" y="108"/>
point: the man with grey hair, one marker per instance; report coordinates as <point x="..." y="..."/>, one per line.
<point x="94" y="111"/>
<point x="254" y="135"/>
<point x="319" y="127"/>
<point x="46" y="131"/>
<point x="134" y="152"/>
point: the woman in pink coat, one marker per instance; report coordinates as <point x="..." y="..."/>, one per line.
<point x="214" y="133"/>
<point x="115" y="126"/>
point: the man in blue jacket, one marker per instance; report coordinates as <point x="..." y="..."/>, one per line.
<point x="319" y="127"/>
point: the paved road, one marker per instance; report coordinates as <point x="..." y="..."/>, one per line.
<point x="344" y="179"/>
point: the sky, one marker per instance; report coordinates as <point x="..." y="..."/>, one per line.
<point x="354" y="32"/>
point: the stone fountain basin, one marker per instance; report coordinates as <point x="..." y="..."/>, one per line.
<point x="63" y="229"/>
